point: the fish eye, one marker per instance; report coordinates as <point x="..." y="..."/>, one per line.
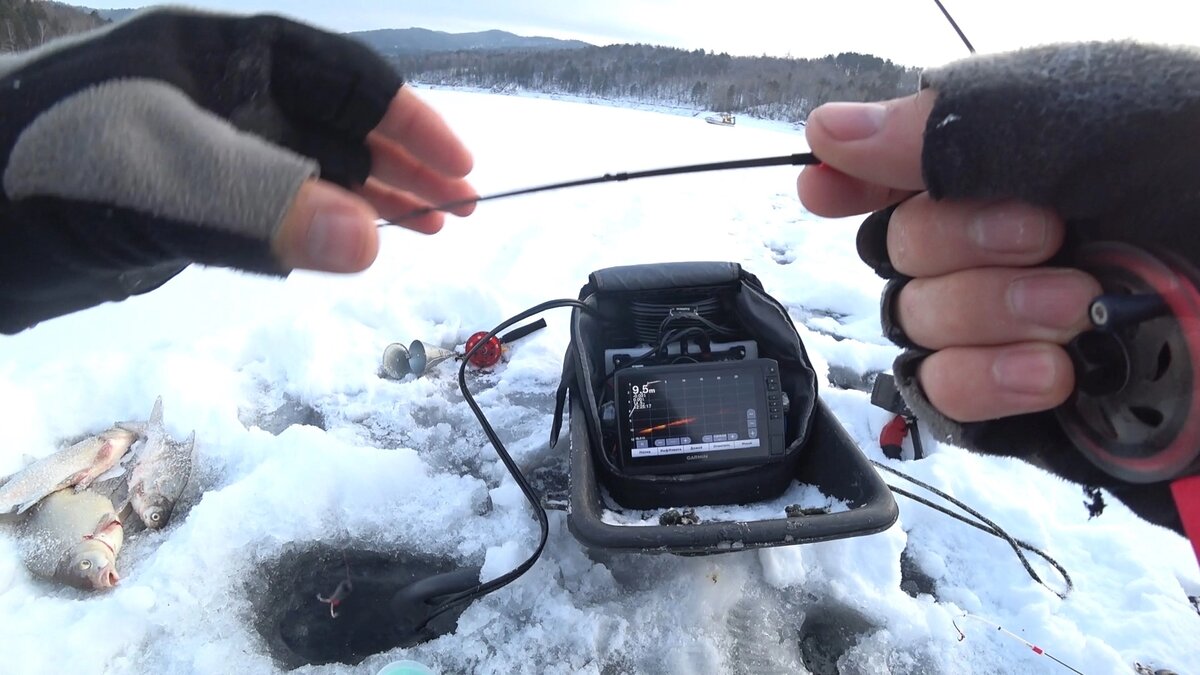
<point x="156" y="516"/>
<point x="85" y="564"/>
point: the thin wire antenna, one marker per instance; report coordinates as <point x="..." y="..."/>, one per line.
<point x="782" y="160"/>
<point x="954" y="23"/>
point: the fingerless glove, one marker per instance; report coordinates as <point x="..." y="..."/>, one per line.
<point x="1106" y="134"/>
<point x="172" y="137"/>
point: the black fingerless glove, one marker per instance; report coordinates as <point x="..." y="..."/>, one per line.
<point x="170" y="138"/>
<point x="1108" y="135"/>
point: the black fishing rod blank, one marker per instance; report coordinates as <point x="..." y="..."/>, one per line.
<point x="782" y="160"/>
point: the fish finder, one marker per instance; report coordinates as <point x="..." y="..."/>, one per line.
<point x="692" y="417"/>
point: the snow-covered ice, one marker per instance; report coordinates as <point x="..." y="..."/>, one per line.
<point x="402" y="465"/>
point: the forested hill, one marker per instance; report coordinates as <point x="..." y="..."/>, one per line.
<point x="28" y="23"/>
<point x="766" y="87"/>
<point x="390" y="41"/>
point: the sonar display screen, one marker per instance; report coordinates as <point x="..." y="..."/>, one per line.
<point x="692" y="411"/>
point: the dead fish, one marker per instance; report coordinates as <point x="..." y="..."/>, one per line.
<point x="74" y="537"/>
<point x="77" y="466"/>
<point x="160" y="470"/>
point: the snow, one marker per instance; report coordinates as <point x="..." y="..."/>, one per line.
<point x="402" y="465"/>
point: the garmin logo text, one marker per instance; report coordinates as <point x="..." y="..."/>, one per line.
<point x="694" y="457"/>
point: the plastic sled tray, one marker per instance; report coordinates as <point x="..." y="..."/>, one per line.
<point x="832" y="462"/>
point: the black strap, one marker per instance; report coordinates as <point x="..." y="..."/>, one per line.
<point x="560" y="397"/>
<point x="518" y="333"/>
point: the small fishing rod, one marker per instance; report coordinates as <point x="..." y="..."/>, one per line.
<point x="782" y="160"/>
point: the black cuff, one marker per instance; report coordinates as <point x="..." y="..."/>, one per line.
<point x="872" y="242"/>
<point x="888" y="306"/>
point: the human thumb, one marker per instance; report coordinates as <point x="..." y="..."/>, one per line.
<point x="879" y="143"/>
<point x="328" y="229"/>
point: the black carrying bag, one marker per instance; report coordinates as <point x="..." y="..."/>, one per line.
<point x="630" y="303"/>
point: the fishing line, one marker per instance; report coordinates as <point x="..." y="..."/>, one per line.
<point x="782" y="160"/>
<point x="954" y="23"/>
<point x="1036" y="649"/>
<point x="983" y="524"/>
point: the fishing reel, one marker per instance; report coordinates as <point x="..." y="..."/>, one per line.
<point x="1135" y="412"/>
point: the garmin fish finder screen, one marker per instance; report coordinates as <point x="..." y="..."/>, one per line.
<point x="692" y="411"/>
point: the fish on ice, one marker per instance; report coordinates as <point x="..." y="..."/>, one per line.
<point x="74" y="538"/>
<point x="78" y="465"/>
<point x="160" y="470"/>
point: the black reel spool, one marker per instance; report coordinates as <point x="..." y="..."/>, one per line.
<point x="1135" y="412"/>
<point x="648" y="313"/>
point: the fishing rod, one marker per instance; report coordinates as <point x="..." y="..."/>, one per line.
<point x="782" y="160"/>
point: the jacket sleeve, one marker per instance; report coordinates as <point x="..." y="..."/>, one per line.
<point x="170" y="138"/>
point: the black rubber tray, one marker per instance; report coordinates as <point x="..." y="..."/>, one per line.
<point x="832" y="462"/>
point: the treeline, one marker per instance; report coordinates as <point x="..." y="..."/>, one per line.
<point x="25" y="24"/>
<point x="766" y="87"/>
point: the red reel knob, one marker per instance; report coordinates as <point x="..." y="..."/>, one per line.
<point x="1135" y="412"/>
<point x="488" y="354"/>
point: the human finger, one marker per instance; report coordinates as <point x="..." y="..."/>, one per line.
<point x="972" y="384"/>
<point x="396" y="167"/>
<point x="328" y="229"/>
<point x="927" y="238"/>
<point x="828" y="192"/>
<point x="996" y="305"/>
<point x="402" y="208"/>
<point x="879" y="143"/>
<point x="411" y="122"/>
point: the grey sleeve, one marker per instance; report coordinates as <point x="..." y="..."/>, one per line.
<point x="142" y="145"/>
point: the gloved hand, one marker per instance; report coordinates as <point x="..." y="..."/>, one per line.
<point x="982" y="187"/>
<point x="177" y="137"/>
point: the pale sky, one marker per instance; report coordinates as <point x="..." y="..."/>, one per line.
<point x="910" y="32"/>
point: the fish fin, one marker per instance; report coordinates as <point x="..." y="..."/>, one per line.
<point x="105" y="522"/>
<point x="135" y="448"/>
<point x="77" y="479"/>
<point x="156" y="414"/>
<point x="125" y="508"/>
<point x="142" y="428"/>
<point x="25" y="506"/>
<point x="108" y="459"/>
<point x="191" y="445"/>
<point x="116" y="471"/>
